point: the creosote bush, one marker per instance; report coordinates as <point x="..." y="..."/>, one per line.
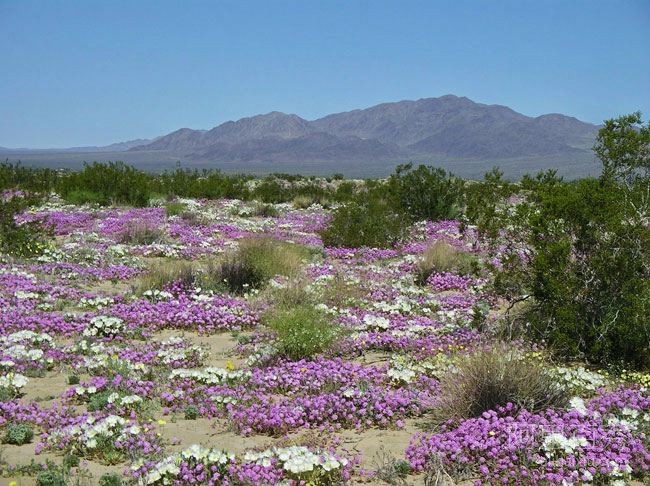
<point x="368" y="221"/>
<point x="20" y="240"/>
<point x="442" y="257"/>
<point x="302" y="332"/>
<point x="495" y="377"/>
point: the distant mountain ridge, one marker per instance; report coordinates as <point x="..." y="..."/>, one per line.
<point x="454" y="132"/>
<point x="450" y="127"/>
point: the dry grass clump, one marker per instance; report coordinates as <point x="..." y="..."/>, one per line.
<point x="165" y="272"/>
<point x="302" y="202"/>
<point x="495" y="377"/>
<point x="138" y="233"/>
<point x="257" y="260"/>
<point x="341" y="292"/>
<point x="290" y="294"/>
<point x="442" y="257"/>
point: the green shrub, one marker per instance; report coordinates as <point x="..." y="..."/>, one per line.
<point x="83" y="196"/>
<point x="73" y="380"/>
<point x="18" y="434"/>
<point x="112" y="183"/>
<point x="174" y="208"/>
<point x="99" y="401"/>
<point x="425" y="193"/>
<point x="110" y="479"/>
<point x="265" y="211"/>
<point x="371" y="222"/>
<point x="302" y="332"/>
<point x="21" y="240"/>
<point x="191" y="413"/>
<point x="51" y="477"/>
<point x="70" y="461"/>
<point x="493" y="378"/>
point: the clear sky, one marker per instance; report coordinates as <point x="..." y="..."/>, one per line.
<point x="93" y="73"/>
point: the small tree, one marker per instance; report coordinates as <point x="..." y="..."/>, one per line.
<point x="586" y="259"/>
<point x="425" y="192"/>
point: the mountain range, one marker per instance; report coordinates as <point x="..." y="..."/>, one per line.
<point x="455" y="132"/>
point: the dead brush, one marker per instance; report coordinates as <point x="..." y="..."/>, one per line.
<point x="139" y="233"/>
<point x="493" y="378"/>
<point x="389" y="469"/>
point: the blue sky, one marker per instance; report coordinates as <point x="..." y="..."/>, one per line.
<point x="93" y="73"/>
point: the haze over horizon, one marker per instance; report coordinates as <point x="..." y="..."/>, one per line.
<point x="89" y="73"/>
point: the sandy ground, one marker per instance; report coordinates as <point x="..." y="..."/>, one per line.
<point x="180" y="433"/>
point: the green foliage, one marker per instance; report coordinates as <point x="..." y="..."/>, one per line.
<point x="590" y="275"/>
<point x="486" y="202"/>
<point x="265" y="211"/>
<point x="82" y="196"/>
<point x="111" y="183"/>
<point x="425" y="193"/>
<point x="623" y="146"/>
<point x="302" y="332"/>
<point x="579" y="252"/>
<point x="51" y="477"/>
<point x="99" y="401"/>
<point x="174" y="208"/>
<point x="110" y="479"/>
<point x="70" y="461"/>
<point x="191" y="412"/>
<point x="73" y="380"/>
<point x="18" y="434"/>
<point x="21" y="240"/>
<point x="367" y="221"/>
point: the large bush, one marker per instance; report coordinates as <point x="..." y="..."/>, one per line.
<point x="21" y="240"/>
<point x="425" y="192"/>
<point x="369" y="221"/>
<point x="586" y="263"/>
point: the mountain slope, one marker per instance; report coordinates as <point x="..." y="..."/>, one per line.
<point x="448" y="127"/>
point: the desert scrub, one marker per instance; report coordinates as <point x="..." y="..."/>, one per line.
<point x="174" y="208"/>
<point x="370" y="222"/>
<point x="138" y="233"/>
<point x="259" y="259"/>
<point x="110" y="479"/>
<point x="292" y="293"/>
<point x="302" y="332"/>
<point x="495" y="377"/>
<point x="52" y="477"/>
<point x="441" y="257"/>
<point x="163" y="273"/>
<point x="18" y="434"/>
<point x="265" y="211"/>
<point x="21" y="240"/>
<point x="191" y="413"/>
